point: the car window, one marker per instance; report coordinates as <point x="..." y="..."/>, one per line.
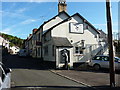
<point x="97" y="58"/>
<point x="105" y="59"/>
<point x="24" y="51"/>
<point x="116" y="59"/>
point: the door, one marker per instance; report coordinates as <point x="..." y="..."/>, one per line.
<point x="64" y="56"/>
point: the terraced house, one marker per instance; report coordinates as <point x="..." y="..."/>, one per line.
<point x="73" y="34"/>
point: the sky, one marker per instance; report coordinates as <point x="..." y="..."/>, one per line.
<point x="20" y="18"/>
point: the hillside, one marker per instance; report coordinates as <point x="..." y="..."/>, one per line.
<point x="13" y="40"/>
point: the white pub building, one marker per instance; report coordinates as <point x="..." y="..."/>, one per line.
<point x="73" y="34"/>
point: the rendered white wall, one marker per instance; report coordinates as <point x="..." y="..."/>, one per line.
<point x="55" y="21"/>
<point x="63" y="31"/>
<point x="48" y="57"/>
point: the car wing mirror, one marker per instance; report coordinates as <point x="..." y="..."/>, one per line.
<point x="8" y="70"/>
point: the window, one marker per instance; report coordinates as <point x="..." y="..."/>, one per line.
<point x="78" y="50"/>
<point x="53" y="50"/>
<point x="46" y="50"/>
<point x="97" y="58"/>
<point x="116" y="59"/>
<point x="45" y="38"/>
<point x="81" y="51"/>
<point x="24" y="51"/>
<point x="39" y="36"/>
<point x="39" y="51"/>
<point x="34" y="37"/>
<point x="105" y="58"/>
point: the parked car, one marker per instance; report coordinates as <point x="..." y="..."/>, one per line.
<point x="22" y="53"/>
<point x="102" y="61"/>
<point x="5" y="77"/>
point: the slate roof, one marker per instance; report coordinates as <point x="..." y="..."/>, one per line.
<point x="102" y="34"/>
<point x="56" y="16"/>
<point x="61" y="42"/>
<point x="56" y="25"/>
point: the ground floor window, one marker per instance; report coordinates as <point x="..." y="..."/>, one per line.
<point x="78" y="50"/>
<point x="39" y="51"/>
<point x="53" y="50"/>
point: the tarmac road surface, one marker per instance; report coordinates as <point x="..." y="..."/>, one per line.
<point x="30" y="74"/>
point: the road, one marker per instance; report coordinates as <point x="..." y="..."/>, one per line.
<point x="31" y="73"/>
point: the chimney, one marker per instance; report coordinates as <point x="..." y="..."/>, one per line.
<point x="34" y="30"/>
<point x="30" y="35"/>
<point x="62" y="6"/>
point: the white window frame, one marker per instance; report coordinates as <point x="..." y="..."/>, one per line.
<point x="78" y="51"/>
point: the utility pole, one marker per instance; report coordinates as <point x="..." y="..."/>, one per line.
<point x="110" y="45"/>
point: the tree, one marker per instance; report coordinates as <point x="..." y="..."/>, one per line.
<point x="14" y="41"/>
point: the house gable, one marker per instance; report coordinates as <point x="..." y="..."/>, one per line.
<point x="90" y="35"/>
<point x="55" y="20"/>
<point x="79" y="19"/>
<point x="85" y="22"/>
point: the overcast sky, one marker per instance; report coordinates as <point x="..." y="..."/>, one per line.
<point x="19" y="18"/>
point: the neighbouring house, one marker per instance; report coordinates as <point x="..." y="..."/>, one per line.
<point x="34" y="42"/>
<point x="29" y="45"/>
<point x="4" y="42"/>
<point x="14" y="49"/>
<point x="72" y="34"/>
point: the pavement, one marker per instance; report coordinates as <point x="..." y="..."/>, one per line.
<point x="95" y="79"/>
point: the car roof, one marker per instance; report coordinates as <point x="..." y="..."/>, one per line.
<point x="106" y="56"/>
<point x="117" y="58"/>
